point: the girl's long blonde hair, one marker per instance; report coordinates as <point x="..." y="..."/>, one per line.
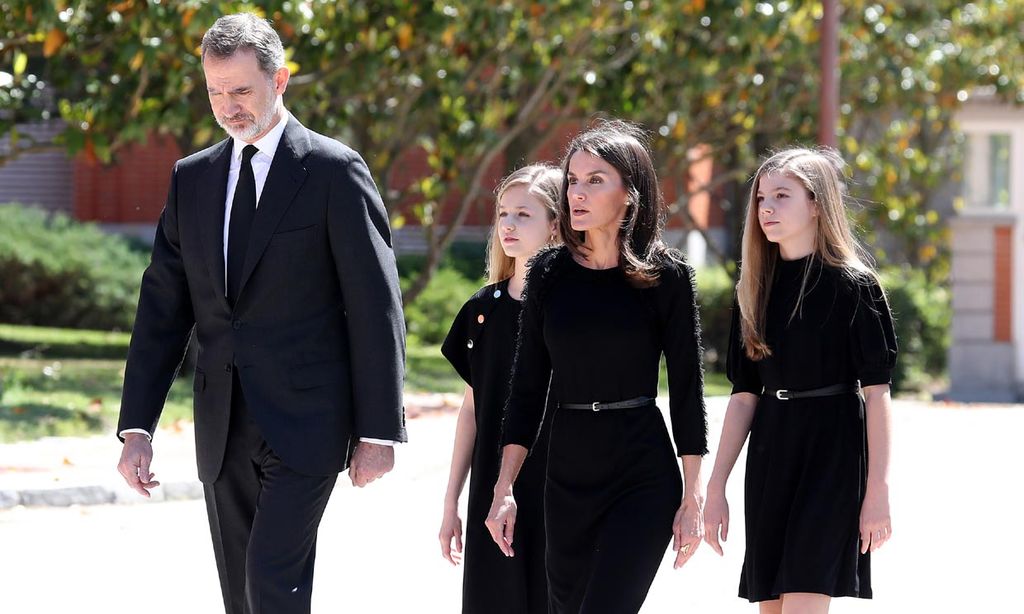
<point x="820" y="170"/>
<point x="544" y="182"/>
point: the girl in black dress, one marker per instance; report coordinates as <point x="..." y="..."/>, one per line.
<point x="481" y="346"/>
<point x="598" y="315"/>
<point x="811" y="333"/>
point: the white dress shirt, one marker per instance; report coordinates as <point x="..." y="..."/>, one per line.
<point x="267" y="146"/>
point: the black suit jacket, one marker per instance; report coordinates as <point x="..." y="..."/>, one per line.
<point x="316" y="338"/>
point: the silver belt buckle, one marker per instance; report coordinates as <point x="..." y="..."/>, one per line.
<point x="779" y="393"/>
<point x="593" y="406"/>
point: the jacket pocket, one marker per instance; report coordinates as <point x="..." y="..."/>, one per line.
<point x="294" y="234"/>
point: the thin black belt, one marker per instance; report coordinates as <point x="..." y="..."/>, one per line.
<point x="827" y="391"/>
<point x="598" y="406"/>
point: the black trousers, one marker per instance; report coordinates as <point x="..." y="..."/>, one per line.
<point x="264" y="519"/>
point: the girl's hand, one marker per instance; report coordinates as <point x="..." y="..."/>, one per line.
<point x="451" y="531"/>
<point x="875" y="524"/>
<point x="716" y="519"/>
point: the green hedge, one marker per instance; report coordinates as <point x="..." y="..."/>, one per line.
<point x="57" y="272"/>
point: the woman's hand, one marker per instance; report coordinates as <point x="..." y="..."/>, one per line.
<point x="451" y="531"/>
<point x="716" y="518"/>
<point x="501" y="520"/>
<point x="875" y="524"/>
<point x="688" y="528"/>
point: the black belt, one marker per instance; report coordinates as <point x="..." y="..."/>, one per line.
<point x="827" y="391"/>
<point x="598" y="406"/>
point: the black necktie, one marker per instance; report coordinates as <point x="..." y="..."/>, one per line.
<point x="243" y="210"/>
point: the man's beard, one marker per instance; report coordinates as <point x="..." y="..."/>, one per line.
<point x="259" y="124"/>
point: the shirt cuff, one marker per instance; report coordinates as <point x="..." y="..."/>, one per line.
<point x="142" y="431"/>
<point x="379" y="442"/>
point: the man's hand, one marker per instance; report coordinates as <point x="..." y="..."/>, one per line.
<point x="136" y="456"/>
<point x="369" y="462"/>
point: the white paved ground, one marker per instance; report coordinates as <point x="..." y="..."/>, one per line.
<point x="957" y="545"/>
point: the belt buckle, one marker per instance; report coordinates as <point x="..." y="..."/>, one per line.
<point x="779" y="393"/>
<point x="593" y="406"/>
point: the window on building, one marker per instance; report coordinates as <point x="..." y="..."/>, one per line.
<point x="987" y="171"/>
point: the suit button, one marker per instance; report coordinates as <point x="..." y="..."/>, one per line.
<point x="469" y="344"/>
<point x="227" y="368"/>
<point x="237" y="324"/>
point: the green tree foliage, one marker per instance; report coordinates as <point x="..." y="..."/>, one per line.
<point x="473" y="83"/>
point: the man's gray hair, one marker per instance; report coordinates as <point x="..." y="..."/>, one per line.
<point x="245" y="31"/>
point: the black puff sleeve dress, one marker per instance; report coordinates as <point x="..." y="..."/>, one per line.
<point x="807" y="458"/>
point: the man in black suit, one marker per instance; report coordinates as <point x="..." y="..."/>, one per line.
<point x="274" y="252"/>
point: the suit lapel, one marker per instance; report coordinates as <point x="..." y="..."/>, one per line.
<point x="211" y="192"/>
<point x="284" y="179"/>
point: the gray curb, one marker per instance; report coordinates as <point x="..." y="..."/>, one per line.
<point x="97" y="495"/>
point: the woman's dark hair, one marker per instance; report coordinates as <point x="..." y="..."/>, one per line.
<point x="641" y="250"/>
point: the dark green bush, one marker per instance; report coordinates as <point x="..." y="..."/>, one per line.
<point x="714" y="293"/>
<point x="430" y="316"/>
<point x="57" y="272"/>
<point x="923" y="315"/>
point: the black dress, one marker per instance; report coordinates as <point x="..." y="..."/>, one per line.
<point x="807" y="458"/>
<point x="481" y="346"/>
<point x="613" y="484"/>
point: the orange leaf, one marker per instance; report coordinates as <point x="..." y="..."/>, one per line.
<point x="55" y="39"/>
<point x="404" y="36"/>
<point x="186" y="17"/>
<point x="448" y="37"/>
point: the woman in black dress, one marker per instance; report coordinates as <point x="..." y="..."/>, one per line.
<point x="481" y="346"/>
<point x="811" y="333"/>
<point x="597" y="316"/>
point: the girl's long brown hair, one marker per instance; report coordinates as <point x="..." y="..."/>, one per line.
<point x="820" y="171"/>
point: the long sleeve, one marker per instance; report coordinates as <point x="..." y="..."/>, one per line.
<point x="163" y="323"/>
<point x="531" y="372"/>
<point x="360" y="239"/>
<point x="873" y="337"/>
<point x="682" y="347"/>
<point x="740" y="370"/>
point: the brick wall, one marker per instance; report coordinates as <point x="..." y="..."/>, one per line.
<point x="131" y="191"/>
